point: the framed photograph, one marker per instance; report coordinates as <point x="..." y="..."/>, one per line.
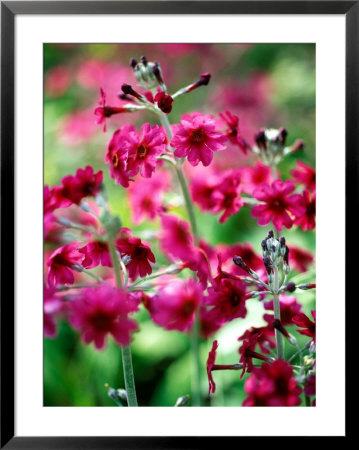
<point x="175" y="181"/>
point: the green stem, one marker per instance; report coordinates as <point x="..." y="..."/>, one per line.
<point x="126" y="351"/>
<point x="278" y="335"/>
<point x="195" y="335"/>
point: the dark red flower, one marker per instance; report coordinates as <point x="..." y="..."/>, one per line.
<point x="304" y="322"/>
<point x="211" y="360"/>
<point x="96" y="252"/>
<point x="252" y="337"/>
<point x="307" y="220"/>
<point x="61" y="263"/>
<point x="272" y="385"/>
<point x="164" y="102"/>
<point x="300" y="259"/>
<point x="289" y="308"/>
<point x="85" y="183"/>
<point x="309" y="388"/>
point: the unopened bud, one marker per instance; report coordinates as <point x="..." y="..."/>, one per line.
<point x="133" y="62"/>
<point x="297" y="146"/>
<point x="144" y="60"/>
<point x="283" y="133"/>
<point x="260" y="139"/>
<point x="306" y="286"/>
<point x="290" y="287"/>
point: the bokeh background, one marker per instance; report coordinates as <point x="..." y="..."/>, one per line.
<point x="266" y="85"/>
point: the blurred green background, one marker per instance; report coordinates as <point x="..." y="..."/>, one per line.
<point x="266" y="85"/>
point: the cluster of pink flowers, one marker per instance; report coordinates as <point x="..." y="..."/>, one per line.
<point x="217" y="281"/>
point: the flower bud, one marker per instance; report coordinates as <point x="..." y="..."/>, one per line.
<point x="290" y="287"/>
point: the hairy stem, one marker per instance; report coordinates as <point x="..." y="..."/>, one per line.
<point x="126" y="351"/>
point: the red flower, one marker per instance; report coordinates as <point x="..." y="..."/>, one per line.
<point x="309" y="388"/>
<point x="211" y="360"/>
<point x="61" y="263"/>
<point x="278" y="207"/>
<point x="146" y="196"/>
<point x="227" y="299"/>
<point x="252" y="337"/>
<point x="164" y="102"/>
<point x="272" y="385"/>
<point x="232" y="132"/>
<point x="175" y="304"/>
<point x="100" y="311"/>
<point x="289" y="307"/>
<point x="139" y="252"/>
<point x="305" y="175"/>
<point x="96" y="252"/>
<point x="176" y="239"/>
<point x="85" y="183"/>
<point x="304" y="322"/>
<point x="307" y="220"/>
<point x="300" y="259"/>
<point x="196" y="138"/>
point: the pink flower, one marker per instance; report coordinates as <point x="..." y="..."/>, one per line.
<point x="96" y="252"/>
<point x="300" y="259"/>
<point x="279" y="206"/>
<point x="57" y="81"/>
<point x="61" y="263"/>
<point x="254" y="176"/>
<point x="307" y="220"/>
<point x="232" y="132"/>
<point x="289" y="307"/>
<point x="272" y="385"/>
<point x="99" y="311"/>
<point x="78" y="127"/>
<point x="85" y="183"/>
<point x="211" y="360"/>
<point x="143" y="150"/>
<point x="175" y="304"/>
<point x="196" y="138"/>
<point x="52" y="306"/>
<point x="217" y="193"/>
<point x="117" y="155"/>
<point x="304" y="322"/>
<point x="139" y="252"/>
<point x="176" y="239"/>
<point x="146" y="196"/>
<point x="227" y="299"/>
<point x="304" y="174"/>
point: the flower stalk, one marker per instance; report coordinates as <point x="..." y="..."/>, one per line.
<point x="278" y="335"/>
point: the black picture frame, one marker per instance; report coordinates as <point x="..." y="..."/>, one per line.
<point x="9" y="10"/>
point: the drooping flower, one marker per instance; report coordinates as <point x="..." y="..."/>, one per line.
<point x="272" y="385"/>
<point x="164" y="102"/>
<point x="211" y="360"/>
<point x="278" y="205"/>
<point x="252" y="337"/>
<point x="307" y="220"/>
<point x="196" y="138"/>
<point x="304" y="322"/>
<point x="99" y="311"/>
<point x="176" y="239"/>
<point x="104" y="111"/>
<point x="175" y="304"/>
<point x="305" y="175"/>
<point x="289" y="307"/>
<point x="138" y="251"/>
<point x="232" y="131"/>
<point x="85" y="183"/>
<point x="146" y="196"/>
<point x="61" y="263"/>
<point x="96" y="252"/>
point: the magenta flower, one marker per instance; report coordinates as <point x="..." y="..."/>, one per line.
<point x="61" y="263"/>
<point x="211" y="360"/>
<point x="146" y="196"/>
<point x="117" y="155"/>
<point x="278" y="205"/>
<point x="305" y="175"/>
<point x="300" y="259"/>
<point x="99" y="311"/>
<point x="53" y="199"/>
<point x="196" y="138"/>
<point x="52" y="306"/>
<point x="143" y="150"/>
<point x="85" y="183"/>
<point x="176" y="239"/>
<point x="232" y="131"/>
<point x="104" y="111"/>
<point x="175" y="304"/>
<point x="254" y="176"/>
<point x="227" y="299"/>
<point x="272" y="385"/>
<point x="309" y="388"/>
<point x="164" y="102"/>
<point x="307" y="220"/>
<point x="96" y="252"/>
<point x="304" y="322"/>
<point x="139" y="252"/>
